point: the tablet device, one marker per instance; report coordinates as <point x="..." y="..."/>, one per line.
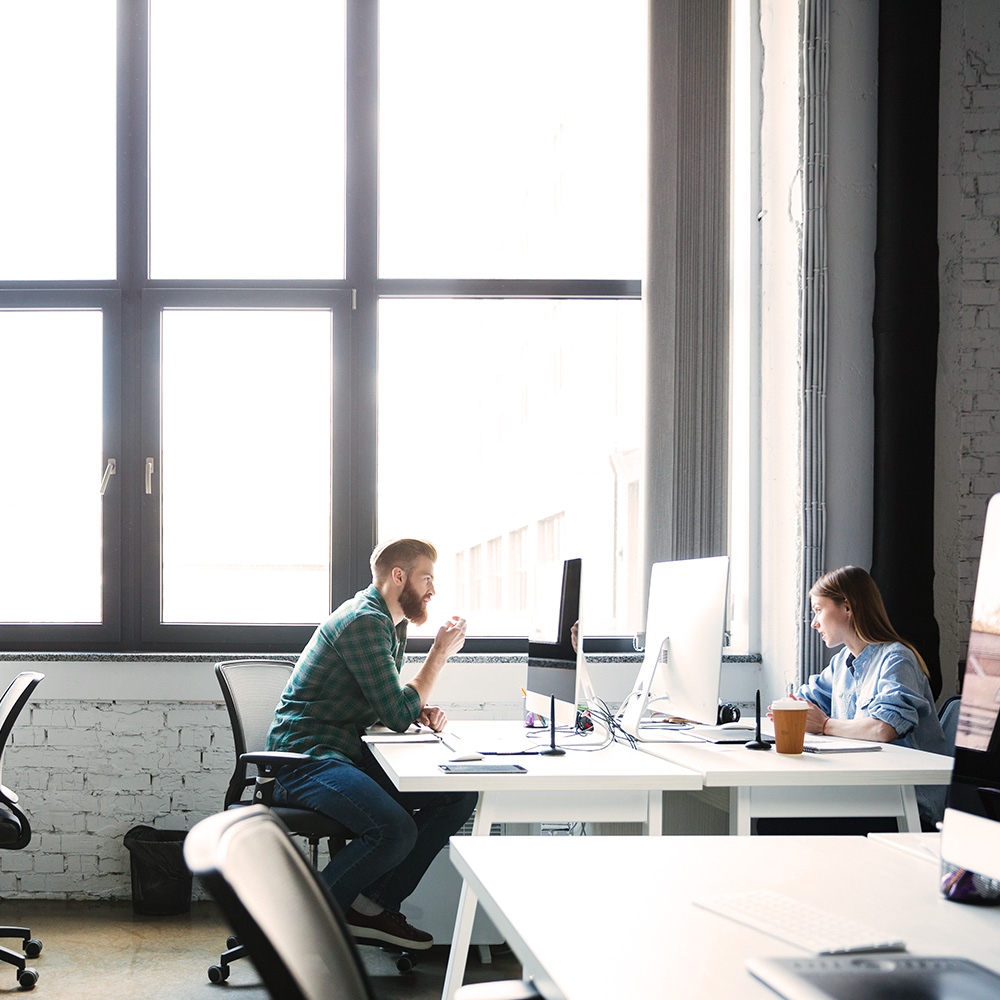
<point x="482" y="768"/>
<point x="876" y="977"/>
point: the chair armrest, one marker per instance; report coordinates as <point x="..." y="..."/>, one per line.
<point x="268" y="763"/>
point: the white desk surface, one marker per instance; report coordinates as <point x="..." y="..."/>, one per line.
<point x="598" y="917"/>
<point x="414" y="766"/>
<point x="729" y="765"/>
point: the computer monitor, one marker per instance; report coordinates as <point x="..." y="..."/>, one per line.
<point x="970" y="835"/>
<point x="556" y="665"/>
<point x="685" y="629"/>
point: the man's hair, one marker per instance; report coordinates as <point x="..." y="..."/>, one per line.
<point x="402" y="552"/>
<point x="854" y="586"/>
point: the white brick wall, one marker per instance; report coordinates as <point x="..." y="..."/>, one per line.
<point x="88" y="772"/>
<point x="979" y="309"/>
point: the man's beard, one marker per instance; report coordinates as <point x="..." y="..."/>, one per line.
<point x="412" y="604"/>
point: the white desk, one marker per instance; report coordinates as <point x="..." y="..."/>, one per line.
<point x="639" y="934"/>
<point x="765" y="783"/>
<point x="611" y="785"/>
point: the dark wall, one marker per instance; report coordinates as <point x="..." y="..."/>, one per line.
<point x="905" y="324"/>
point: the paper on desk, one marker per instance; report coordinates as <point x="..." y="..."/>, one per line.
<point x="816" y="743"/>
<point x="382" y="734"/>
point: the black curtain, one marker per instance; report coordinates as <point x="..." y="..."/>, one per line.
<point x="905" y="323"/>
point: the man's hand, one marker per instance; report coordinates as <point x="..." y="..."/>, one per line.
<point x="450" y="637"/>
<point x="434" y="717"/>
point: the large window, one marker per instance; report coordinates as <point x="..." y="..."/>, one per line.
<point x="309" y="276"/>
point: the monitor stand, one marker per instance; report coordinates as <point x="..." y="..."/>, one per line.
<point x="553" y="750"/>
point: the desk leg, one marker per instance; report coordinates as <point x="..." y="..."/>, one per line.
<point x="739" y="812"/>
<point x="909" y="822"/>
<point x="654" y="814"/>
<point x="460" y="942"/>
<point x="466" y="914"/>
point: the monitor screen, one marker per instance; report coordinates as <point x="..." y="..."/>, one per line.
<point x="685" y="629"/>
<point x="552" y="649"/>
<point x="970" y="836"/>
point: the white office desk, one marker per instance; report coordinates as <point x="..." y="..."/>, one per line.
<point x="620" y="922"/>
<point x="756" y="783"/>
<point x="611" y="785"/>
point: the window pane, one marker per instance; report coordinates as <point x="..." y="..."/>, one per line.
<point x="246" y="139"/>
<point x="523" y="157"/>
<point x="57" y="171"/>
<point x="246" y="466"/>
<point x="51" y="454"/>
<point x="522" y="423"/>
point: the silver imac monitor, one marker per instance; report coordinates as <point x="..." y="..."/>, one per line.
<point x="556" y="667"/>
<point x="970" y="835"/>
<point x="685" y="627"/>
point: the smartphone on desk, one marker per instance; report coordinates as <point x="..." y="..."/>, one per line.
<point x="482" y="768"/>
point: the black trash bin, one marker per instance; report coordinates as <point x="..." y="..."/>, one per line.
<point x="161" y="881"/>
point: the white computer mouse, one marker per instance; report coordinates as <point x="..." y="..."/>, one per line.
<point x="739" y="724"/>
<point x="458" y="758"/>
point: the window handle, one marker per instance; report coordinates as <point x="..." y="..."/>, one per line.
<point x="109" y="471"/>
<point x="149" y="475"/>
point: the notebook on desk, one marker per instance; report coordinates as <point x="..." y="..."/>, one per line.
<point x="837" y="744"/>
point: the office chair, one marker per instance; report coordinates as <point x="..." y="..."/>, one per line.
<point x="292" y="928"/>
<point x="948" y="717"/>
<point x="15" y="830"/>
<point x="252" y="690"/>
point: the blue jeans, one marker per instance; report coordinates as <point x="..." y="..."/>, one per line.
<point x="396" y="834"/>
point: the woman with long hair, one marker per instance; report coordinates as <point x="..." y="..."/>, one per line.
<point x="876" y="687"/>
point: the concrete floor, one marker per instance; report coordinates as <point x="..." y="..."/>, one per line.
<point x="96" y="950"/>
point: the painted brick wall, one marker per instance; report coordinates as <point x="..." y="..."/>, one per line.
<point x="88" y="772"/>
<point x="979" y="277"/>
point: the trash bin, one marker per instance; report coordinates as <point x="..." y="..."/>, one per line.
<point x="161" y="881"/>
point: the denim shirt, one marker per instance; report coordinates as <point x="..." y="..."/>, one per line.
<point x="884" y="682"/>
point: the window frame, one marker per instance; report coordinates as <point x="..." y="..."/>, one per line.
<point x="131" y="302"/>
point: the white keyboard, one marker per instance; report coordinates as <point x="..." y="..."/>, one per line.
<point x="802" y="924"/>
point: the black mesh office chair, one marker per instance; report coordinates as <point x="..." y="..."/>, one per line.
<point x="252" y="689"/>
<point x="948" y="717"/>
<point x="15" y="830"/>
<point x="292" y="928"/>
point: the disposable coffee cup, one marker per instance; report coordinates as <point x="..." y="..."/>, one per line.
<point x="789" y="716"/>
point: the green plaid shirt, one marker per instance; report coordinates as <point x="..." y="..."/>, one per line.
<point x="346" y="679"/>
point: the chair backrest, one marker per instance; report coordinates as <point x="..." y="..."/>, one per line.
<point x="948" y="717"/>
<point x="11" y="702"/>
<point x="15" y="830"/>
<point x="252" y="689"/>
<point x="277" y="906"/>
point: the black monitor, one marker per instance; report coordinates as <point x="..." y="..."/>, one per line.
<point x="552" y="652"/>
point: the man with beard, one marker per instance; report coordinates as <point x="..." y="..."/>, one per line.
<point x="346" y="679"/>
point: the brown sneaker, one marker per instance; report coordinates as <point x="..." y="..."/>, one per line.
<point x="389" y="928"/>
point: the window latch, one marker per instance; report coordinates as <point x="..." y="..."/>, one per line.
<point x="149" y="476"/>
<point x="109" y="471"/>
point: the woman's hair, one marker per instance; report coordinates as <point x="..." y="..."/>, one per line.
<point x="853" y="586"/>
<point x="403" y="552"/>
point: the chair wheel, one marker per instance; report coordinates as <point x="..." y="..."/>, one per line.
<point x="405" y="962"/>
<point x="232" y="941"/>
<point x="27" y="978"/>
<point x="32" y="948"/>
<point x="218" y="973"/>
